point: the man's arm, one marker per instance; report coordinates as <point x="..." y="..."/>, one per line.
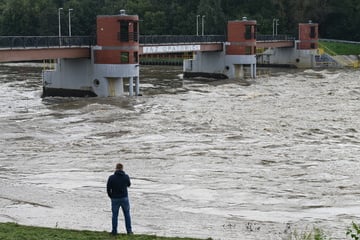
<point x="108" y="188"/>
<point x="129" y="182"/>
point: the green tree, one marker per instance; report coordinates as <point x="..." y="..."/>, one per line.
<point x="337" y="19"/>
<point x="154" y="23"/>
<point x="19" y="18"/>
<point x="48" y="19"/>
<point x="83" y="20"/>
<point x="181" y="17"/>
<point x="112" y="7"/>
<point x="214" y="16"/>
<point x="343" y="20"/>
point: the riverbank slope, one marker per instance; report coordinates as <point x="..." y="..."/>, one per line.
<point x="12" y="231"/>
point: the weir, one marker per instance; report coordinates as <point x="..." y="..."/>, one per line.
<point x="114" y="60"/>
<point x="302" y="54"/>
<point x="238" y="51"/>
<point x="109" y="65"/>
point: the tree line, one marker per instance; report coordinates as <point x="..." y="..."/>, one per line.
<point x="337" y="19"/>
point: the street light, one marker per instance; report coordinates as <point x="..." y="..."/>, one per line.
<point x="197" y="25"/>
<point x="275" y="26"/>
<point x="59" y="13"/>
<point x="70" y="9"/>
<point x="202" y="31"/>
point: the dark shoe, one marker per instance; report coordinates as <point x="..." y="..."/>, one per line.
<point x="113" y="234"/>
<point x="130" y="233"/>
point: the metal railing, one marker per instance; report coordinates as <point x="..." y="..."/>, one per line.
<point x="158" y="39"/>
<point x="87" y="41"/>
<point x="338" y="41"/>
<point x="271" y="38"/>
<point x="45" y="41"/>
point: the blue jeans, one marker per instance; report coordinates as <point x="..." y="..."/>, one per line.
<point x="116" y="203"/>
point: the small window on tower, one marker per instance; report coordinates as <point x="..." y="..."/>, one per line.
<point x="248" y="34"/>
<point x="124" y="31"/>
<point x="136" y="57"/>
<point x="313" y="32"/>
<point x="124" y="57"/>
<point x="136" y="37"/>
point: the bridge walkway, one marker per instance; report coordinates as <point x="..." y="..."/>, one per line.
<point x="30" y="48"/>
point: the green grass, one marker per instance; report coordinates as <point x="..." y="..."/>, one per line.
<point x="334" y="48"/>
<point x="314" y="234"/>
<point x="13" y="231"/>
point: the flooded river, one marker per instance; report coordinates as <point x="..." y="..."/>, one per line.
<point x="207" y="159"/>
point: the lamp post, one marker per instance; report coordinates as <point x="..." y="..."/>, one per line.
<point x="197" y="25"/>
<point x="275" y="26"/>
<point x="59" y="14"/>
<point x="202" y="30"/>
<point x="70" y="9"/>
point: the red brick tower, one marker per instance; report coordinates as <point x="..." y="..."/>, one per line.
<point x="241" y="48"/>
<point x="241" y="37"/>
<point x="116" y="55"/>
<point x="119" y="38"/>
<point x="308" y="36"/>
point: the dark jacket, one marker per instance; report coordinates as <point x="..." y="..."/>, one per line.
<point x="117" y="185"/>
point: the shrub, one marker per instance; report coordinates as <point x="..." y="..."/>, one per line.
<point x="354" y="231"/>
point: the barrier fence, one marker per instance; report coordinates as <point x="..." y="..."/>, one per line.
<point x="87" y="41"/>
<point x="45" y="41"/>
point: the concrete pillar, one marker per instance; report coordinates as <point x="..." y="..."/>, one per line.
<point x="241" y="74"/>
<point x="131" y="86"/>
<point x="137" y="86"/>
<point x="253" y="70"/>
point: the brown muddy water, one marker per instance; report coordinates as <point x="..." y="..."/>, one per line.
<point x="207" y="159"/>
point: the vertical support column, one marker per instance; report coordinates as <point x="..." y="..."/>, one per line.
<point x="131" y="86"/>
<point x="254" y="75"/>
<point x="137" y="86"/>
<point x="242" y="73"/>
<point x="252" y="70"/>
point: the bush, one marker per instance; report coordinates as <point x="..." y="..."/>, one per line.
<point x="354" y="231"/>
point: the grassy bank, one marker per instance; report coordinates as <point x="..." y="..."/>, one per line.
<point x="12" y="231"/>
<point x="335" y="48"/>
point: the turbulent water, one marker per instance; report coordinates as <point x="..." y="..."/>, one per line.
<point x="207" y="159"/>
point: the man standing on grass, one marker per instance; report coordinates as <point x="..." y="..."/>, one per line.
<point x="117" y="185"/>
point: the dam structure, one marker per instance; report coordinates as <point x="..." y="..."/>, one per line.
<point x="109" y="65"/>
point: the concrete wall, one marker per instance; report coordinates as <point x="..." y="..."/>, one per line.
<point x="70" y="74"/>
<point x="81" y="74"/>
<point x="289" y="56"/>
<point x="234" y="65"/>
<point x="220" y="63"/>
<point x="116" y="70"/>
<point x="109" y="79"/>
<point x="209" y="62"/>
